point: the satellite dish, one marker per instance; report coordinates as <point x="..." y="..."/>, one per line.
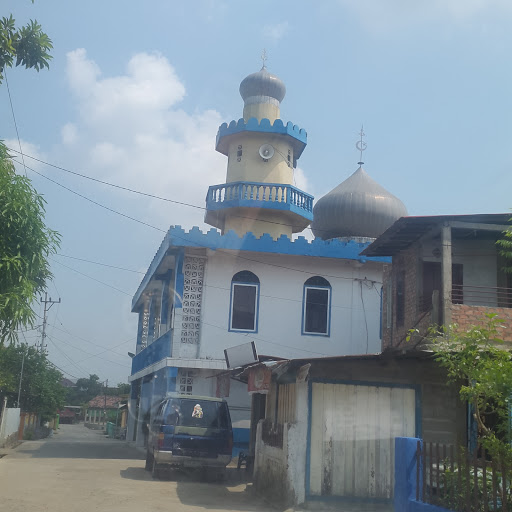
<point x="266" y="151"/>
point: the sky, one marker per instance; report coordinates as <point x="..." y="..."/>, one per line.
<point x="137" y="90"/>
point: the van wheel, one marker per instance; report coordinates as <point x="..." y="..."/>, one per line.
<point x="149" y="461"/>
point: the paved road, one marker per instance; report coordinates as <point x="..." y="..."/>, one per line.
<point x="79" y="470"/>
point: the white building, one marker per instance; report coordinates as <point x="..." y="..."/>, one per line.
<point x="205" y="292"/>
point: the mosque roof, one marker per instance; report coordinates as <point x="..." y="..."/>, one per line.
<point x="358" y="207"/>
<point x="262" y="84"/>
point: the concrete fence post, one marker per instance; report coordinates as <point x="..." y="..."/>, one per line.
<point x="405" y="472"/>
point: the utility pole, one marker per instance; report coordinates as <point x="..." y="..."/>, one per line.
<point x="48" y="303"/>
<point x="105" y="402"/>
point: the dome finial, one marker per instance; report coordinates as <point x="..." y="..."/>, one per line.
<point x="361" y="146"/>
<point x="264" y="58"/>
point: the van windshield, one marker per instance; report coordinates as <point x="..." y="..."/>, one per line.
<point x="196" y="413"/>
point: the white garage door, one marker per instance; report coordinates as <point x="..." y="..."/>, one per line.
<point x="352" y="438"/>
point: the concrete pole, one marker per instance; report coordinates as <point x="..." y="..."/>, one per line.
<point x="446" y="272"/>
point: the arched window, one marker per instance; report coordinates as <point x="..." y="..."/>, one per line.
<point x="245" y="291"/>
<point x="316" y="312"/>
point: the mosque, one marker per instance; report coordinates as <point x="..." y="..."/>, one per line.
<point x="248" y="279"/>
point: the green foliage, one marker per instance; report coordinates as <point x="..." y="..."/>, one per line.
<point x="25" y="46"/>
<point x="123" y="389"/>
<point x="459" y="483"/>
<point x="478" y="362"/>
<point x="505" y="245"/>
<point x="41" y="390"/>
<point x="25" y="244"/>
<point x="84" y="390"/>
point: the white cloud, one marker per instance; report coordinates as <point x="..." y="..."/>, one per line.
<point x="27" y="148"/>
<point x="69" y="133"/>
<point x="132" y="132"/>
<point x="276" y="31"/>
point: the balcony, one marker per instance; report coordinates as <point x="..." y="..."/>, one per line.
<point x="297" y="205"/>
<point x="156" y="351"/>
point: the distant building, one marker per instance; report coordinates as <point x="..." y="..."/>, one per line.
<point x="248" y="280"/>
<point x="103" y="408"/>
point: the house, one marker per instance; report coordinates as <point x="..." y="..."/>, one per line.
<point x="330" y="423"/>
<point x="247" y="278"/>
<point x="446" y="270"/>
<point x="103" y="408"/>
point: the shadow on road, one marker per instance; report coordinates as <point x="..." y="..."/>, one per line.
<point x="89" y="450"/>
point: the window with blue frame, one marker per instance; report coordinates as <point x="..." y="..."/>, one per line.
<point x="245" y="290"/>
<point x="316" y="311"/>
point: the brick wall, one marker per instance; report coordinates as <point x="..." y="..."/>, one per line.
<point x="468" y="316"/>
<point x="406" y="263"/>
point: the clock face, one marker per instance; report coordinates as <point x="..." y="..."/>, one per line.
<point x="266" y="151"/>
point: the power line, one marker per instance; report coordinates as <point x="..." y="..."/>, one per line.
<point x="93" y="278"/>
<point x="95" y="202"/>
<point x="101" y="264"/>
<point x="15" y="123"/>
<point x="146" y="194"/>
<point x="67" y="357"/>
<point x="224" y="251"/>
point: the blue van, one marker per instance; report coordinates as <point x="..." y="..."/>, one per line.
<point x="189" y="431"/>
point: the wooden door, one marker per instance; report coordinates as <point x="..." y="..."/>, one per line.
<point x="353" y="428"/>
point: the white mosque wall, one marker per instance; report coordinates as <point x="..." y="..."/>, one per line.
<point x="355" y="305"/>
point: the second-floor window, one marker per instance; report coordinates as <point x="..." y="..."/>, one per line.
<point x="316" y="306"/>
<point x="245" y="288"/>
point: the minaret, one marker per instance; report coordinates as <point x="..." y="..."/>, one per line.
<point x="262" y="151"/>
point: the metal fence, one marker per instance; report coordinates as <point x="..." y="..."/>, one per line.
<point x="457" y="480"/>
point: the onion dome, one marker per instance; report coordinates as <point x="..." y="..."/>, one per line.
<point x="358" y="207"/>
<point x="262" y="87"/>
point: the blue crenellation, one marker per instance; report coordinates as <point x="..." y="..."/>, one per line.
<point x="178" y="238"/>
<point x="263" y="126"/>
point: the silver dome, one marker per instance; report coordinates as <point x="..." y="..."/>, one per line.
<point x="262" y="87"/>
<point x="357" y="207"/>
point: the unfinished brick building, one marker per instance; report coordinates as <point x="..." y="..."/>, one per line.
<point x="446" y="270"/>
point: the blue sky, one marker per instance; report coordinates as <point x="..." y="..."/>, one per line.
<point x="136" y="91"/>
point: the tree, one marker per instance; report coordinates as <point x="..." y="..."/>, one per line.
<point x="41" y="390"/>
<point x="477" y="361"/>
<point x="25" y="241"/>
<point x="505" y="245"/>
<point x="27" y="46"/>
<point x="84" y="390"/>
<point x="25" y="244"/>
<point x="123" y="389"/>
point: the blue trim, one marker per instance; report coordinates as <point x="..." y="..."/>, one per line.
<point x="418" y="416"/>
<point x="303" y="332"/>
<point x="298" y="135"/>
<point x="251" y="194"/>
<point x="158" y="350"/>
<point x="178" y="238"/>
<point x="256" y="317"/>
<point x="164" y="313"/>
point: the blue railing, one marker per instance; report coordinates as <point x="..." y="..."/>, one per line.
<point x="259" y="195"/>
<point x="158" y="350"/>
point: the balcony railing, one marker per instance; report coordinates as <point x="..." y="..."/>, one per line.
<point x="482" y="296"/>
<point x="259" y="195"/>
